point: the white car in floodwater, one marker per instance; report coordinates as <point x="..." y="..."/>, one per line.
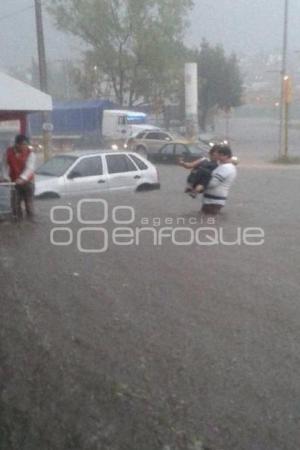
<point x="90" y="172"/>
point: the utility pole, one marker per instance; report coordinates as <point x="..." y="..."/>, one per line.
<point x="66" y="66"/>
<point x="191" y="100"/>
<point x="283" y="112"/>
<point x="43" y="74"/>
<point x="287" y="101"/>
<point x="227" y="124"/>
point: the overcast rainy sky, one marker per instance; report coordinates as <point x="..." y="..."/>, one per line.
<point x="241" y="25"/>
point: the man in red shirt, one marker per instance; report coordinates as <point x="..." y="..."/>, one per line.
<point x="18" y="167"/>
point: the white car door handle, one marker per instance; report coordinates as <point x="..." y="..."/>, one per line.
<point x="137" y="177"/>
<point x="101" y="181"/>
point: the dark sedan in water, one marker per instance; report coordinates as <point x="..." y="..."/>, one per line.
<point x="172" y="152"/>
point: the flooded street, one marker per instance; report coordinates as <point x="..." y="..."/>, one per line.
<point x="150" y="346"/>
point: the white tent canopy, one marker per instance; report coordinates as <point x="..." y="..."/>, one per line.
<point x="18" y="96"/>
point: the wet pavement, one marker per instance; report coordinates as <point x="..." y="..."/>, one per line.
<point x="149" y="346"/>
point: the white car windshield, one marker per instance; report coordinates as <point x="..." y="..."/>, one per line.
<point x="56" y="166"/>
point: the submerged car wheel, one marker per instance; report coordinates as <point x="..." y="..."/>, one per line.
<point x="47" y="195"/>
<point x="147" y="187"/>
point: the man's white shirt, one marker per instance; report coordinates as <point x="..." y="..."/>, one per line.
<point x="217" y="190"/>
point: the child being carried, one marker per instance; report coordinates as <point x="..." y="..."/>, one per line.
<point x="200" y="175"/>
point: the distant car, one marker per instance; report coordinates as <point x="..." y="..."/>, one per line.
<point x="89" y="172"/>
<point x="149" y="142"/>
<point x="171" y="153"/>
<point x="211" y="139"/>
<point x="136" y="135"/>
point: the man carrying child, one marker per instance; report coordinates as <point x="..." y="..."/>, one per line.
<point x="201" y="171"/>
<point x="214" y="178"/>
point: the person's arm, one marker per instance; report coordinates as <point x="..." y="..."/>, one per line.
<point x="191" y="165"/>
<point x="29" y="168"/>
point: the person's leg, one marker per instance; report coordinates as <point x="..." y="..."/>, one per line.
<point x="191" y="178"/>
<point x="195" y="190"/>
<point x="189" y="182"/>
<point x="28" y="199"/>
<point x="16" y="199"/>
<point x="211" y="209"/>
<point x="202" y="178"/>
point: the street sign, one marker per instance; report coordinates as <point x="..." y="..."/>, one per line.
<point x="48" y="126"/>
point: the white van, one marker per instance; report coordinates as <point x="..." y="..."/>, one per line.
<point x="120" y="124"/>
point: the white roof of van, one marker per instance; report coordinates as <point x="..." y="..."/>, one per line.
<point x="125" y="112"/>
<point x="18" y="96"/>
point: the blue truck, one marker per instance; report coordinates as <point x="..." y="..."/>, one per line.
<point x="88" y="123"/>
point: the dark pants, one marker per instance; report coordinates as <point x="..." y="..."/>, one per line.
<point x="22" y="193"/>
<point x="211" y="209"/>
<point x="200" y="176"/>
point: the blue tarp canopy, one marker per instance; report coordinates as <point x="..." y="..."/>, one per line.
<point x="76" y="117"/>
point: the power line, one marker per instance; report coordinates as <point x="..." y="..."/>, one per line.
<point x="282" y="111"/>
<point x="7" y="16"/>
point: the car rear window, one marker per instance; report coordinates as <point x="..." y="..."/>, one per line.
<point x="155" y="135"/>
<point x="140" y="135"/>
<point x="167" y="149"/>
<point x="180" y="149"/>
<point x="159" y="136"/>
<point x="119" y="164"/>
<point x="141" y="165"/>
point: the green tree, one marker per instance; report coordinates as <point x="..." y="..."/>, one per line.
<point x="220" y="81"/>
<point x="135" y="44"/>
